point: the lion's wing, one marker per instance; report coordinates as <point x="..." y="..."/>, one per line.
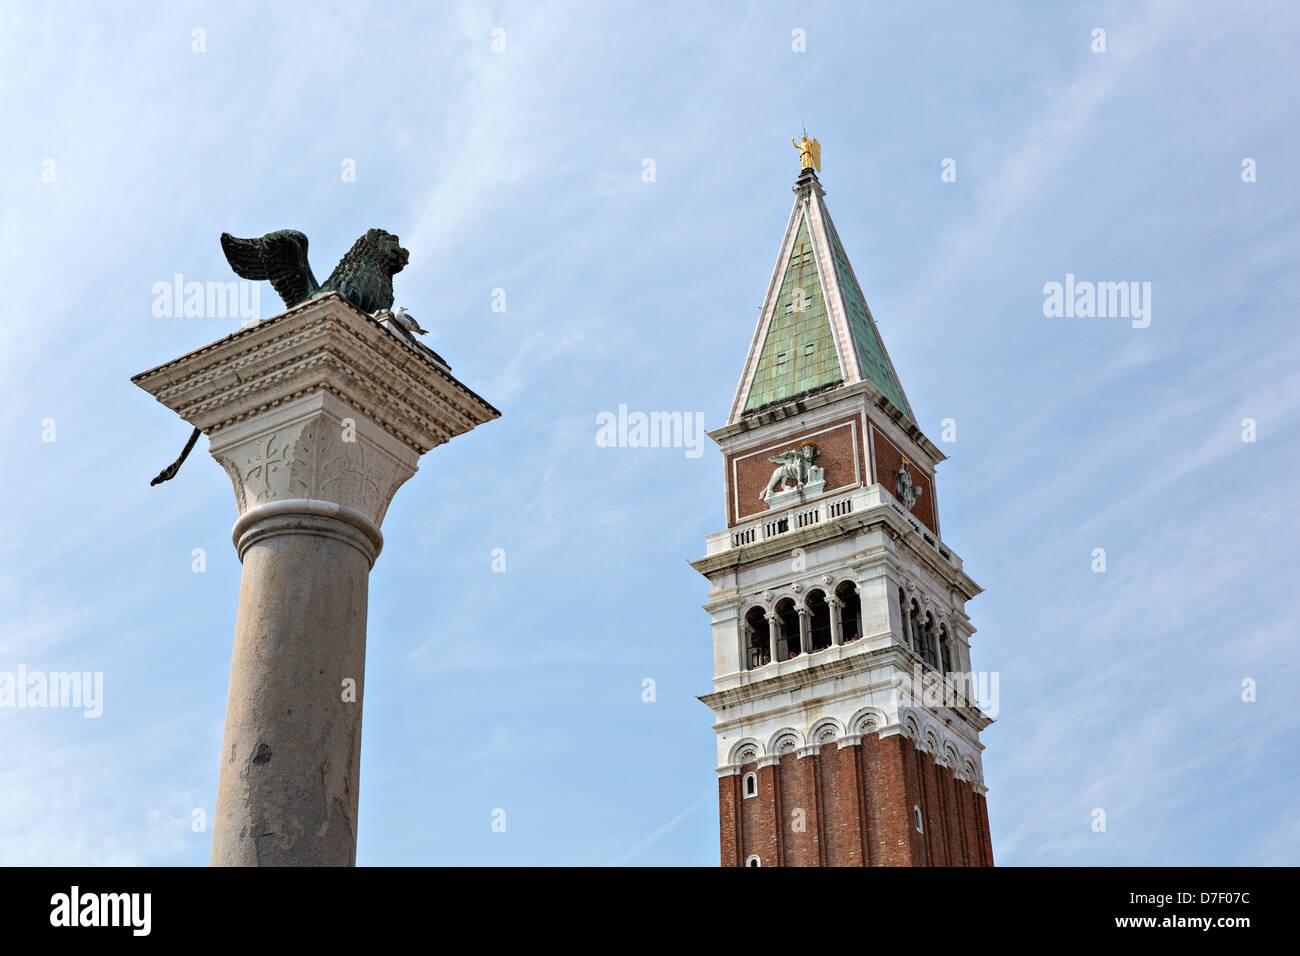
<point x="280" y="257"/>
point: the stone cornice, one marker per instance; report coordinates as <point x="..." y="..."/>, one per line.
<point x="798" y="678"/>
<point x="862" y="394"/>
<point x="323" y="345"/>
<point x="847" y="671"/>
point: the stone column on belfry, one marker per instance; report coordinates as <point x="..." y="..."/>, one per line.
<point x="318" y="415"/>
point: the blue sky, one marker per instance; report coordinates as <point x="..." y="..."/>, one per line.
<point x="522" y="170"/>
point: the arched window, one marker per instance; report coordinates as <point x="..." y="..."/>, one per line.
<point x="819" y="620"/>
<point x="851" y="613"/>
<point x="916" y="814"/>
<point x="757" y="639"/>
<point x="754" y="861"/>
<point x="787" y="642"/>
<point x="945" y="649"/>
<point x="750" y="787"/>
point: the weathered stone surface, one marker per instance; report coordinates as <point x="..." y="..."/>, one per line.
<point x="292" y="742"/>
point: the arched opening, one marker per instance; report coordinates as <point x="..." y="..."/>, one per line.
<point x="758" y="648"/>
<point x="915" y="625"/>
<point x="851" y="612"/>
<point x="945" y="649"/>
<point x="751" y="785"/>
<point x="931" y="654"/>
<point x="753" y="861"/>
<point x="819" y="620"/>
<point x="787" y="642"/>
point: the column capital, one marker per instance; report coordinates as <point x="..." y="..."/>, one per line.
<point x="320" y="403"/>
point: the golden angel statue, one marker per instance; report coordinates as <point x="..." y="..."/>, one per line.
<point x="810" y="153"/>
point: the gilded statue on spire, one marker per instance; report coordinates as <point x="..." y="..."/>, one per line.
<point x="810" y="152"/>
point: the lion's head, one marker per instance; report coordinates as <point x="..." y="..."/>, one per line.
<point x="386" y="249"/>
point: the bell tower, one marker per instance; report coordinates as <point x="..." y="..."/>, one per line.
<point x="843" y="695"/>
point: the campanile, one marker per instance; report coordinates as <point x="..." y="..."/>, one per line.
<point x="847" y="730"/>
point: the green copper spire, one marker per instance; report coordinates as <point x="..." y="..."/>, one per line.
<point x="815" y="330"/>
<point x="799" y="351"/>
<point x="872" y="359"/>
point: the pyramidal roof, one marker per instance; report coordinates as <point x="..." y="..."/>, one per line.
<point x="815" y="330"/>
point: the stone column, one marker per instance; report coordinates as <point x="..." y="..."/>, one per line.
<point x="805" y="635"/>
<point x="318" y="415"/>
<point x="773" y="630"/>
<point x="837" y="622"/>
<point x="874" y="593"/>
<point x="907" y="622"/>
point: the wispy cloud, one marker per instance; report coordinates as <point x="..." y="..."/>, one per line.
<point x="635" y="851"/>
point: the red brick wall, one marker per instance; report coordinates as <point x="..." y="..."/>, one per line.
<point x="970" y="828"/>
<point x="751" y="472"/>
<point x="840" y="803"/>
<point x="760" y="828"/>
<point x="886" y="793"/>
<point x="857" y="804"/>
<point x="888" y="458"/>
<point x="797" y="848"/>
<point x="729" y="817"/>
<point x="981" y="815"/>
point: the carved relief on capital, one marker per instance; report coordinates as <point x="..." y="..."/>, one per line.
<point x="969" y="771"/>
<point x="258" y="469"/>
<point x="785" y="742"/>
<point x="824" y="732"/>
<point x="317" y="459"/>
<point x="353" y="473"/>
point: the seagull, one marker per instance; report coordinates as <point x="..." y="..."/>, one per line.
<point x="407" y="321"/>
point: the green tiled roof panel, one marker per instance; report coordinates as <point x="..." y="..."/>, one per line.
<point x="799" y="351"/>
<point x="871" y="353"/>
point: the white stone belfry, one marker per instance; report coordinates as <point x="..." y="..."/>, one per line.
<point x="318" y="415"/>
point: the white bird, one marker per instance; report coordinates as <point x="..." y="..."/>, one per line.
<point x="407" y="321"/>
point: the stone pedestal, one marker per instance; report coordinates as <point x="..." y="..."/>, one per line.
<point x="318" y="415"/>
<point x="795" y="495"/>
